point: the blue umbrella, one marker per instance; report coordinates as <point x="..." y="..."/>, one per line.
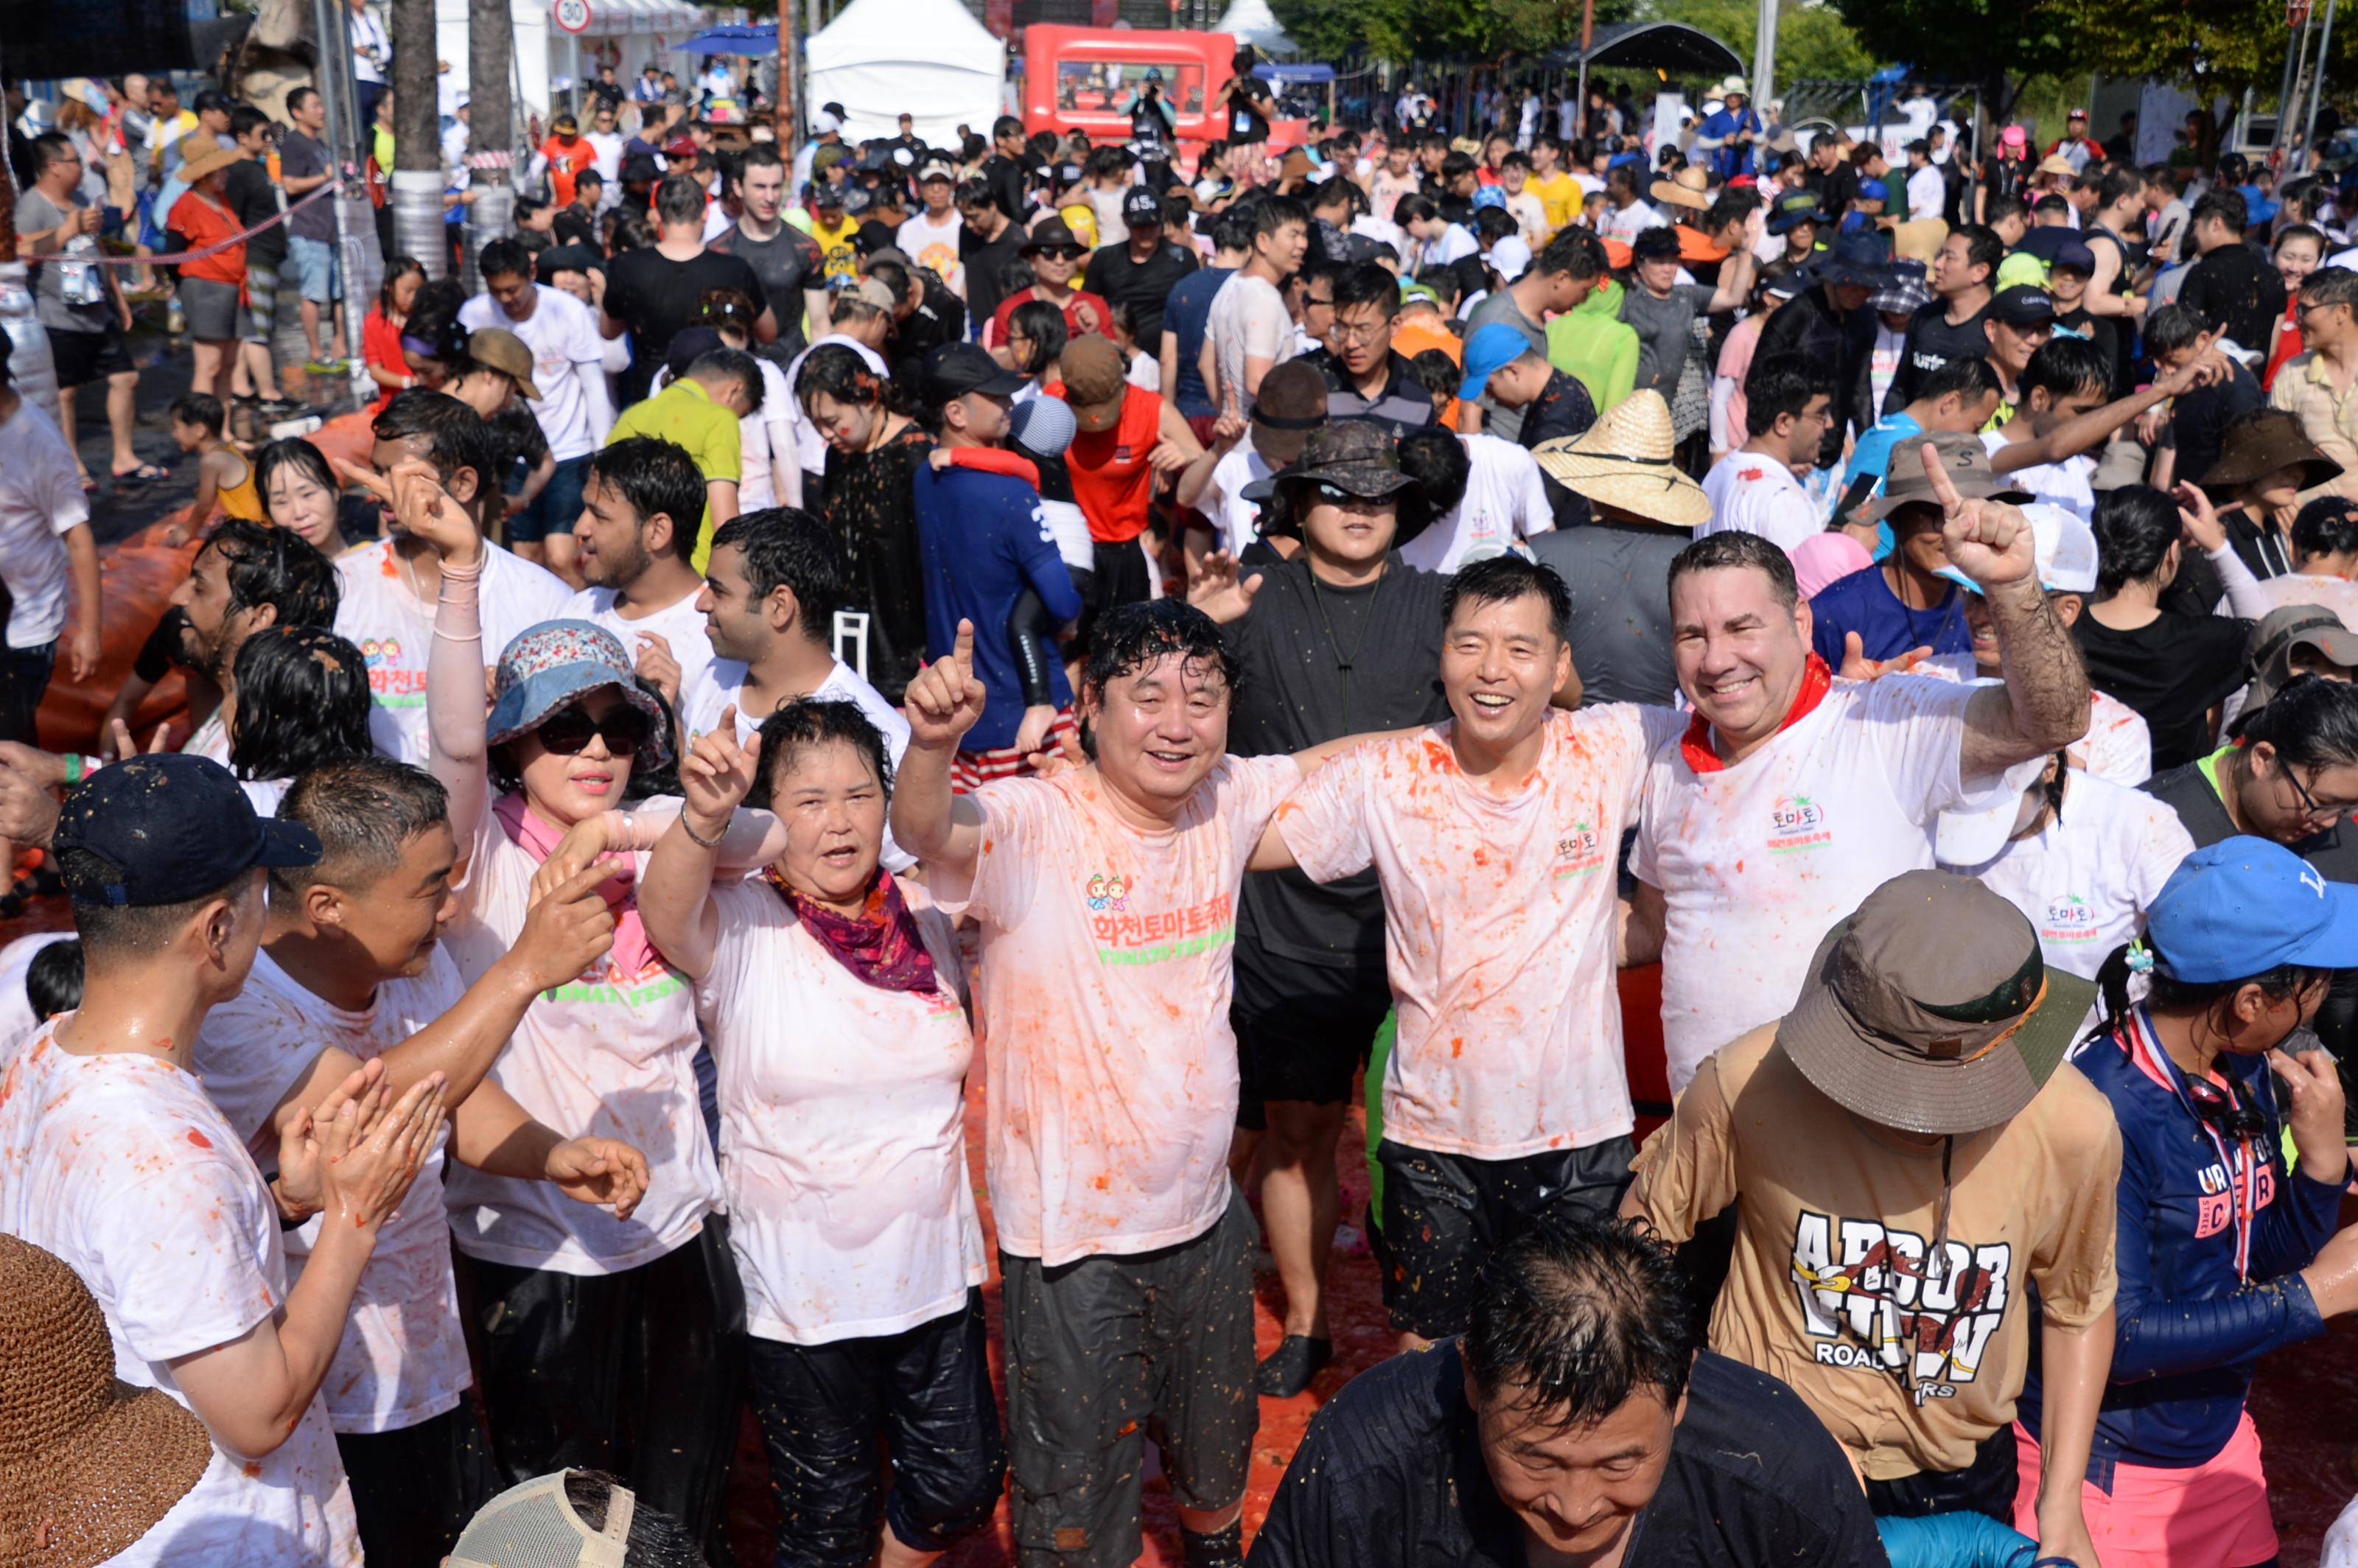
<point x="735" y="38"/>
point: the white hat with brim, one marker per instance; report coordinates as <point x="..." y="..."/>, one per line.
<point x="1976" y="831"/>
<point x="1624" y="461"/>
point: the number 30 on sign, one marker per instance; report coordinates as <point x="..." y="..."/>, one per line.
<point x="573" y="16"/>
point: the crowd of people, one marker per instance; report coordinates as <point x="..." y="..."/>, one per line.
<point x="1193" y="639"/>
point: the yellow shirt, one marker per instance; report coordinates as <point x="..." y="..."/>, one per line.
<point x="685" y="416"/>
<point x="1559" y="195"/>
<point x="243" y="500"/>
<point x="836" y="249"/>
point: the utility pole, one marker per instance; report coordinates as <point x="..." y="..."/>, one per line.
<point x="417" y="177"/>
<point x="2317" y="86"/>
<point x="789" y="113"/>
<point x="1764" y="58"/>
<point x="491" y="138"/>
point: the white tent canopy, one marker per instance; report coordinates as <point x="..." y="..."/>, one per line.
<point x="927" y="59"/>
<point x="1252" y="22"/>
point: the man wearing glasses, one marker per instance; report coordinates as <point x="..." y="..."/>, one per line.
<point x="1367" y="378"/>
<point x="2315" y="384"/>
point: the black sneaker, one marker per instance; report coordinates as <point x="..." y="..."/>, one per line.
<point x="1289" y="1367"/>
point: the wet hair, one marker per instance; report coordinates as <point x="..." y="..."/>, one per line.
<point x="1272" y="214"/>
<point x="302" y="700"/>
<point x="434" y="321"/>
<point x="1128" y="637"/>
<point x="2226" y="203"/>
<point x="364" y="809"/>
<point x="837" y="370"/>
<point x="1435" y="459"/>
<point x="53" y="980"/>
<point x="1502" y="579"/>
<point x="2174" y="327"/>
<point x="1580" y="1315"/>
<point x="788" y="548"/>
<point x="2135" y="527"/>
<point x="655" y="1540"/>
<point x="1780" y="385"/>
<point x="1970" y="376"/>
<point x="1577" y="251"/>
<point x="650" y="778"/>
<point x="1439" y="374"/>
<point x="973" y="195"/>
<point x="655" y="476"/>
<point x="892" y="274"/>
<point x="2277" y="984"/>
<point x="678" y="200"/>
<point x="505" y="257"/>
<point x="804" y="723"/>
<point x="295" y="453"/>
<point x="1659" y="243"/>
<point x="2067" y="366"/>
<point x="1737" y="549"/>
<point x="1455" y="166"/>
<point x="2331" y="285"/>
<point x="455" y="435"/>
<point x="2326" y="526"/>
<point x="1365" y="283"/>
<point x="199" y="408"/>
<point x="733" y="365"/>
<point x="278" y="568"/>
<point x="2312" y="722"/>
<point x="127" y="930"/>
<point x="1044" y="323"/>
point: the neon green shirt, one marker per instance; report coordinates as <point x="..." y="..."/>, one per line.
<point x="685" y="416"/>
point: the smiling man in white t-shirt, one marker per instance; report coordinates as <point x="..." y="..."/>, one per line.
<point x="112" y="1158"/>
<point x="1788" y="404"/>
<point x="1792" y="795"/>
<point x="640" y="510"/>
<point x="353" y="970"/>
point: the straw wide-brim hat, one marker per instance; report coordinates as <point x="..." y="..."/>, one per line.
<point x="1690" y="187"/>
<point x="87" y="1461"/>
<point x="2056" y="164"/>
<point x="1624" y="461"/>
<point x="207" y="161"/>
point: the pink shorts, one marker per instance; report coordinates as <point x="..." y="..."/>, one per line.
<point x="2213" y="1515"/>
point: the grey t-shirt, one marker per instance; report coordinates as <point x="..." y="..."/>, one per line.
<point x="1665" y="331"/>
<point x="301" y="158"/>
<point x="55" y="278"/>
<point x="1499" y="420"/>
<point x="1618" y="574"/>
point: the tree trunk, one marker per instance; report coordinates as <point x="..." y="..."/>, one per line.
<point x="416" y="177"/>
<point x="490" y="141"/>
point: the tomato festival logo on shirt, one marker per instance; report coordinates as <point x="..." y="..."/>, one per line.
<point x="604" y="981"/>
<point x="392" y="684"/>
<point x="1578" y="852"/>
<point x="2070" y="919"/>
<point x="1124" y="938"/>
<point x="1797" y="822"/>
<point x="1109" y="893"/>
<point x="1871" y="1300"/>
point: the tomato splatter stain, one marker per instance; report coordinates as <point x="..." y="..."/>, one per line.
<point x="199" y="1139"/>
<point x="1457" y="1047"/>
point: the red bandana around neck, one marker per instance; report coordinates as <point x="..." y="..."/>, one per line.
<point x="880" y="944"/>
<point x="1695" y="744"/>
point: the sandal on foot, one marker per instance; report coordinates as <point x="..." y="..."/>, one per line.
<point x="146" y="473"/>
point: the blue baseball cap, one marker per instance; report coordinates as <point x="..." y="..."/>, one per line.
<point x="1491" y="349"/>
<point x="166" y="829"/>
<point x="1874" y="189"/>
<point x="2242" y="906"/>
<point x="1489" y="196"/>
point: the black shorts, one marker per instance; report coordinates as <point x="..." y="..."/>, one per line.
<point x="85" y="357"/>
<point x="414" y="1489"/>
<point x="1302" y="1030"/>
<point x="925" y="1394"/>
<point x="1121" y="578"/>
<point x="1444" y="1214"/>
<point x="1985" y="1487"/>
<point x="1104" y="1349"/>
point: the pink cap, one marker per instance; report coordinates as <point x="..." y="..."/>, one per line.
<point x="2077" y="114"/>
<point x="2013" y="136"/>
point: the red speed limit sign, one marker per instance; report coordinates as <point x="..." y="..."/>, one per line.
<point x="573" y="16"/>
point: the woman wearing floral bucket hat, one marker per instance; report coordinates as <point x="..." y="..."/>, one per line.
<point x="613" y="1344"/>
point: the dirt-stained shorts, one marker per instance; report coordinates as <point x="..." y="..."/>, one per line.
<point x="1103" y="1351"/>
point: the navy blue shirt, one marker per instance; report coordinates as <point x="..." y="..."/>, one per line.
<point x="2189" y="1330"/>
<point x="982" y="540"/>
<point x="1862" y="602"/>
<point x="1185" y="314"/>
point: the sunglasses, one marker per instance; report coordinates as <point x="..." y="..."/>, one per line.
<point x="1061" y="252"/>
<point x="567" y="732"/>
<point x="1335" y="495"/>
<point x="2224" y="1111"/>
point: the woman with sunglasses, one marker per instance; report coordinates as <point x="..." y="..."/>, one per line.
<point x="1055" y="255"/>
<point x="2224" y="1253"/>
<point x="617" y="1345"/>
<point x="834" y="994"/>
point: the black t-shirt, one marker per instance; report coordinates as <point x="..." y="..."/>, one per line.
<point x="1005" y="178"/>
<point x="1248" y="111"/>
<point x="2235" y="288"/>
<point x="939" y="319"/>
<point x="1391" y="1474"/>
<point x="1619" y="576"/>
<point x="1933" y="341"/>
<point x="606" y="95"/>
<point x="254" y="198"/>
<point x="870" y="509"/>
<point x="2173" y="670"/>
<point x="1293" y="694"/>
<point x="2006" y="175"/>
<point x="788" y="264"/>
<point x="572" y="226"/>
<point x="1835" y="188"/>
<point x="2198" y="421"/>
<point x="655" y="297"/>
<point x="1116" y="279"/>
<point x="987" y="263"/>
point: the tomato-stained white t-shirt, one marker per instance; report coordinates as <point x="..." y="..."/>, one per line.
<point x="1758" y="860"/>
<point x="1498" y="925"/>
<point x="842" y="1127"/>
<point x="122" y="1167"/>
<point x="403" y="1357"/>
<point x="1103" y="1005"/>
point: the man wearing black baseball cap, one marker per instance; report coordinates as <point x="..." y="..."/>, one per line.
<point x="1142" y="273"/>
<point x="112" y="1158"/>
<point x="2021" y="319"/>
